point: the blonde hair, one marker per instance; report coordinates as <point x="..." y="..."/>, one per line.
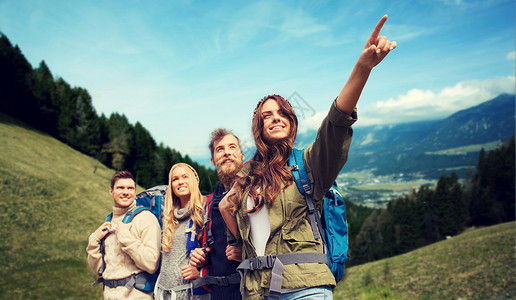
<point x="196" y="201"/>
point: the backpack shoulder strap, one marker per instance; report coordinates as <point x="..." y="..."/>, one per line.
<point x="297" y="166"/>
<point x="191" y="237"/>
<point x="207" y="236"/>
<point x="109" y="217"/>
<point x="102" y="247"/>
<point x="129" y="216"/>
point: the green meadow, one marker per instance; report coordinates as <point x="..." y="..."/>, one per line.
<point x="53" y="197"/>
<point x="477" y="264"/>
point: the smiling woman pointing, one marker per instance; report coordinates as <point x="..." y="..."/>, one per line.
<point x="265" y="211"/>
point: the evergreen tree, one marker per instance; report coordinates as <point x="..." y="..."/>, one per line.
<point x="491" y="192"/>
<point x="67" y="119"/>
<point x="408" y="220"/>
<point x="44" y="89"/>
<point x="16" y="95"/>
<point x="430" y="230"/>
<point x="51" y="105"/>
<point x="459" y="208"/>
<point x="104" y="138"/>
<point x="168" y="161"/>
<point x="368" y="242"/>
<point x="386" y="228"/>
<point x="87" y="137"/>
<point x="142" y="156"/>
<point x="442" y="206"/>
<point x="117" y="147"/>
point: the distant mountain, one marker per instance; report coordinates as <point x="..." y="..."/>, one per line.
<point x="430" y="147"/>
<point x="489" y="121"/>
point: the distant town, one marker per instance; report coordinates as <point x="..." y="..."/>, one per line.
<point x="365" y="188"/>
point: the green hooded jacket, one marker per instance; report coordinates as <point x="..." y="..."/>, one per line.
<point x="288" y="215"/>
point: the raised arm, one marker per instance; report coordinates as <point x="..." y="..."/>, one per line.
<point x="375" y="50"/>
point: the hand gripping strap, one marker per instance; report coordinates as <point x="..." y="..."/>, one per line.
<point x="127" y="219"/>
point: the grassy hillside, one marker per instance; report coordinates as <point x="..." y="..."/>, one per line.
<point x="478" y="264"/>
<point x="51" y="199"/>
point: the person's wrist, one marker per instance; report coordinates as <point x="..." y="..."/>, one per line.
<point x="363" y="68"/>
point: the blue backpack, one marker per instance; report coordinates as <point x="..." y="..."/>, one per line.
<point x="332" y="225"/>
<point x="152" y="200"/>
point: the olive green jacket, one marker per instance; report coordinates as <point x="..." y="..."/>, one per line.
<point x="290" y="227"/>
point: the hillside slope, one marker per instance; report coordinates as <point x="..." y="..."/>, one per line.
<point x="477" y="264"/>
<point x="51" y="199"/>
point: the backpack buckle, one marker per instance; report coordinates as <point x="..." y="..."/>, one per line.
<point x="222" y="281"/>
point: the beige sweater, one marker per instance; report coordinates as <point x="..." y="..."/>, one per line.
<point x="127" y="252"/>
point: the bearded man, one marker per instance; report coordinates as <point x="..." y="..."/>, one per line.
<point x="222" y="258"/>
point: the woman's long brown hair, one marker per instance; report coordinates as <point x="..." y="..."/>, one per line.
<point x="268" y="168"/>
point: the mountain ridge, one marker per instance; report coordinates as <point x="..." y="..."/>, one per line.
<point x="408" y="147"/>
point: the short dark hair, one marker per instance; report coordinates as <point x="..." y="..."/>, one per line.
<point x="218" y="134"/>
<point x="120" y="175"/>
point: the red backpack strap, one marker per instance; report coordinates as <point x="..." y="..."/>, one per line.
<point x="207" y="237"/>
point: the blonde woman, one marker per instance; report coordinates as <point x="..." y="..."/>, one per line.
<point x="182" y="219"/>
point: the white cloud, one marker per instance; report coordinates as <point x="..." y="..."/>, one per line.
<point x="511" y="55"/>
<point x="420" y="105"/>
<point x="368" y="139"/>
<point x="312" y="122"/>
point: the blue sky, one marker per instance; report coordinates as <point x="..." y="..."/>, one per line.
<point x="183" y="68"/>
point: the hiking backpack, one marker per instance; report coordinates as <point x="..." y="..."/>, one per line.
<point x="152" y="200"/>
<point x="333" y="223"/>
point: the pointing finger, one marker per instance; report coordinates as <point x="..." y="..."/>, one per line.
<point x="378" y="28"/>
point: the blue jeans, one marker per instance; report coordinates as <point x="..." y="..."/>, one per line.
<point x="318" y="292"/>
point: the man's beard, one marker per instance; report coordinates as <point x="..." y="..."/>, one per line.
<point x="227" y="173"/>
